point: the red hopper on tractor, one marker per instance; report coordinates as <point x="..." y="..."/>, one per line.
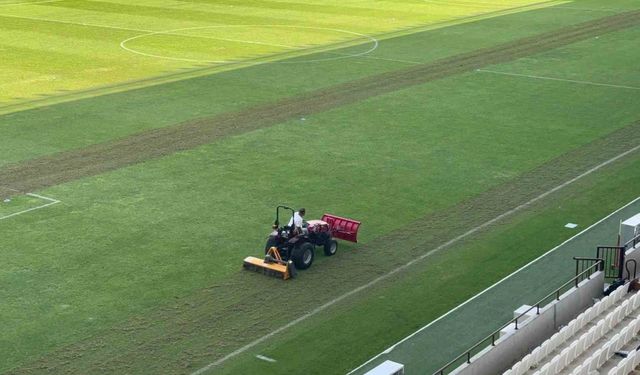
<point x="288" y="249"/>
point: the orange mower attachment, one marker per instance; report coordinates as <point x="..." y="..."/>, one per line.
<point x="271" y="265"/>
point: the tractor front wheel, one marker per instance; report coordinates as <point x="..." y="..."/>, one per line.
<point x="303" y="256"/>
<point x="271" y="242"/>
<point x="330" y="247"/>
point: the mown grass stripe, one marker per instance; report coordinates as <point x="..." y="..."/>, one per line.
<point x="198" y="71"/>
<point x="51" y="170"/>
<point x="160" y="13"/>
<point x="369" y="10"/>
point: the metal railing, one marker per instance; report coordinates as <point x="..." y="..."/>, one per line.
<point x="583" y="264"/>
<point x="613" y="257"/>
<point x="465" y="357"/>
<point x="635" y="268"/>
<point x="632" y="242"/>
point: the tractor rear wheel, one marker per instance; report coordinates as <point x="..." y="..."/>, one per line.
<point x="330" y="247"/>
<point x="303" y="256"/>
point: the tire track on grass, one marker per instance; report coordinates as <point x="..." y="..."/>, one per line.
<point x="46" y="171"/>
<point x="212" y="323"/>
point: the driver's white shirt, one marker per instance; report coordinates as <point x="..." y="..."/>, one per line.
<point x="297" y="219"/>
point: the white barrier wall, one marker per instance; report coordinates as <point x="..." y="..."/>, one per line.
<point x="512" y="347"/>
<point x="629" y="228"/>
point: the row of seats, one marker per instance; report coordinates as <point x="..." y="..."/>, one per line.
<point x="603" y="354"/>
<point x="566" y="332"/>
<point x="587" y="339"/>
<point x="627" y="364"/>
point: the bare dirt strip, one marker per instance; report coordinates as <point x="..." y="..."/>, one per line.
<point x="35" y="174"/>
<point x="193" y="331"/>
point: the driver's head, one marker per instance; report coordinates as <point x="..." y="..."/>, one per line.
<point x="301" y="212"/>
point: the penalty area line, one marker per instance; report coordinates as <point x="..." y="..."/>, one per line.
<point x="43" y="198"/>
<point x="558" y="79"/>
<point x="590" y="9"/>
<point x="410" y="263"/>
<point x="50" y="202"/>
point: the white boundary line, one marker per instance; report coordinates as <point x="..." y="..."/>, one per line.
<point x="145" y="31"/>
<point x="409" y="264"/>
<point x="593" y="9"/>
<point x="488" y="6"/>
<point x="558" y="79"/>
<point x="388" y="350"/>
<point x="375" y="43"/>
<point x="43" y="197"/>
<point x="371" y="39"/>
<point x="265" y="358"/>
<point x="50" y="201"/>
<point x="390" y="59"/>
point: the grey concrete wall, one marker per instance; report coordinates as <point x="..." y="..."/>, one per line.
<point x="531" y="333"/>
<point x="574" y="301"/>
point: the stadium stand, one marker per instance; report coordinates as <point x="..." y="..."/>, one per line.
<point x="594" y="336"/>
<point x="591" y="328"/>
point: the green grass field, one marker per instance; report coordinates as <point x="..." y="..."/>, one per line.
<point x="422" y="119"/>
<point x="66" y="45"/>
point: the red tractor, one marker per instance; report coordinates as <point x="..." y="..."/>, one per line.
<point x="289" y="248"/>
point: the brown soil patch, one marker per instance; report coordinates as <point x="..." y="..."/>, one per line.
<point x="5" y="192"/>
<point x="35" y="174"/>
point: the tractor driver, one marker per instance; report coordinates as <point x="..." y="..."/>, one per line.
<point x="297" y="222"/>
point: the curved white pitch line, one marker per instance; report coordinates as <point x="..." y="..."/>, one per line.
<point x="123" y="44"/>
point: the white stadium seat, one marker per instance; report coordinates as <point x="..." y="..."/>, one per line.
<point x="525" y="364"/>
<point x="573" y="352"/>
<point x="636" y="325"/>
<point x="562" y="360"/>
<point x="615" y="342"/>
<point x="613" y="371"/>
<point x="636" y="300"/>
<point x="605" y="318"/>
<point x="628" y="367"/>
<point x="536" y="355"/>
<point x="603" y="356"/>
<point x="546" y="369"/>
<point x="578" y="370"/>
